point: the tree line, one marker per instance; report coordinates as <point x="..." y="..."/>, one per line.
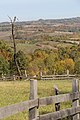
<point x="45" y="61"/>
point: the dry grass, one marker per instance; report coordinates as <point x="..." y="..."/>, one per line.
<point x="17" y="91"/>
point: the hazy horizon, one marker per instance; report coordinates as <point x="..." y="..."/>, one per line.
<point x="28" y="10"/>
<point x="42" y="19"/>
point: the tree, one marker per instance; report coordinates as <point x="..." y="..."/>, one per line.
<point x="5" y="51"/>
<point x="63" y="65"/>
<point x="50" y="62"/>
<point x="21" y="60"/>
<point x="60" y="67"/>
<point x="5" y="58"/>
<point x="14" y="43"/>
<point x="63" y="53"/>
<point x="38" y="53"/>
<point x="77" y="66"/>
<point x="4" y="65"/>
<point x="69" y="64"/>
<point x="33" y="68"/>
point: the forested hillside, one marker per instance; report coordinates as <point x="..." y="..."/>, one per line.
<point x="47" y="46"/>
<point x="47" y="61"/>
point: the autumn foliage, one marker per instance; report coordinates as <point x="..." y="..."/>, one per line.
<point x="45" y="61"/>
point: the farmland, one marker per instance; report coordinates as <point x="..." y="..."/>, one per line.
<point x="18" y="91"/>
<point x="35" y="33"/>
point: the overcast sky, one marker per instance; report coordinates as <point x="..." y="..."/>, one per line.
<point x="39" y="9"/>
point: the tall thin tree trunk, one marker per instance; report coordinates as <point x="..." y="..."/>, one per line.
<point x="14" y="43"/>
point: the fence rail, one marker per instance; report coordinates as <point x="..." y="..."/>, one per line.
<point x="34" y="103"/>
<point x="58" y="77"/>
<point x="18" y="107"/>
<point x="59" y="114"/>
<point x="42" y="77"/>
<point x="58" y="98"/>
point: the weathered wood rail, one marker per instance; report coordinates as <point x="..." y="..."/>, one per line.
<point x="34" y="103"/>
<point x="57" y="77"/>
<point x="14" y="77"/>
<point x="42" y="77"/>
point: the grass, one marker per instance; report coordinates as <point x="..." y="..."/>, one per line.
<point x="17" y="91"/>
<point x="30" y="48"/>
<point x="14" y="92"/>
<point x="27" y="48"/>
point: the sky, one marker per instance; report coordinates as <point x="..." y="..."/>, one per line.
<point x="26" y="10"/>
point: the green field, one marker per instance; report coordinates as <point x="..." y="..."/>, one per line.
<point x="18" y="91"/>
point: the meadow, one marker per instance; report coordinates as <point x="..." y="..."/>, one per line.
<point x="17" y="91"/>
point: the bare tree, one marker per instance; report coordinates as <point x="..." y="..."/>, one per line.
<point x="12" y="21"/>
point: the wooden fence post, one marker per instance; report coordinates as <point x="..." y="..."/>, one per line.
<point x="14" y="77"/>
<point x="75" y="102"/>
<point x="33" y="95"/>
<point x="40" y="75"/>
<point x="57" y="105"/>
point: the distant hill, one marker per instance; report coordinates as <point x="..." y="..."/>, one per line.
<point x="47" y="21"/>
<point x="43" y="33"/>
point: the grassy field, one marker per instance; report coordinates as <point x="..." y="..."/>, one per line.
<point x="18" y="91"/>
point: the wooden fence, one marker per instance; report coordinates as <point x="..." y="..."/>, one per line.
<point x="14" y="77"/>
<point x="41" y="77"/>
<point x="34" y="103"/>
<point x="58" y="77"/>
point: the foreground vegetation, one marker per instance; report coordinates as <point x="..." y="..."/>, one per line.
<point x="18" y="91"/>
